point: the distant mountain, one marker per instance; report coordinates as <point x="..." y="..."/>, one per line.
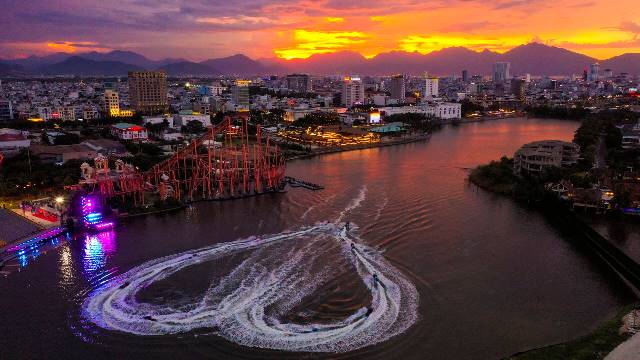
<point x="454" y="60"/>
<point x="343" y="62"/>
<point x="34" y="62"/>
<point x="627" y="63"/>
<point x="189" y="68"/>
<point x="7" y="69"/>
<point x="539" y="59"/>
<point x="76" y="65"/>
<point x="237" y="65"/>
<point x="129" y="57"/>
<point x="533" y="58"/>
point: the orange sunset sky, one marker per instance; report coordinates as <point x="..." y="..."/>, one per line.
<point x="200" y="29"/>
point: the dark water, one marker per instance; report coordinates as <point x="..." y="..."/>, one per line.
<point x="493" y="277"/>
<point x="624" y="232"/>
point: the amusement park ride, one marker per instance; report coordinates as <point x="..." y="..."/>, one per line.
<point x="224" y="163"/>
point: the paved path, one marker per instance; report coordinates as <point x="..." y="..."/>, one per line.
<point x="42" y="222"/>
<point x="628" y="350"/>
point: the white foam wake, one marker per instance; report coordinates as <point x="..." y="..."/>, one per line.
<point x="355" y="203"/>
<point x="248" y="305"/>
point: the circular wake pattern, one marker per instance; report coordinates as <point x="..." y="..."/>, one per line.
<point x="248" y="305"/>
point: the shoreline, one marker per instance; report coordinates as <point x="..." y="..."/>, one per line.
<point x="325" y="151"/>
<point x="605" y="337"/>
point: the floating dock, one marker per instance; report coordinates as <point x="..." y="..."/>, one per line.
<point x="293" y="182"/>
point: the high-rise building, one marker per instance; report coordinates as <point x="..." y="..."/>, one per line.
<point x="111" y="103"/>
<point x="465" y="75"/>
<point x="352" y="91"/>
<point x="240" y="92"/>
<point x="501" y="72"/>
<point x="398" y="88"/>
<point x="6" y="110"/>
<point x="594" y="70"/>
<point x="148" y="92"/>
<point x="430" y="86"/>
<point x="608" y="73"/>
<point x="300" y="83"/>
<point x="518" y="88"/>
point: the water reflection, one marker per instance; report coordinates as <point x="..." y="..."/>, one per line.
<point x="28" y="254"/>
<point x="66" y="267"/>
<point x="97" y="249"/>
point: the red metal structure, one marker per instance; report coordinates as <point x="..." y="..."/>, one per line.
<point x="226" y="162"/>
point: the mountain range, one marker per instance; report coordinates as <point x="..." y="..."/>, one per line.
<point x="533" y="58"/>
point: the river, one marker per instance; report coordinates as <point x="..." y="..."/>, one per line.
<point x="478" y="276"/>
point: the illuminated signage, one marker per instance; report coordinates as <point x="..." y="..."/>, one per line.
<point x="374" y="117"/>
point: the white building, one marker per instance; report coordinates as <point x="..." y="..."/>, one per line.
<point x="393" y="110"/>
<point x="431" y="87"/>
<point x="12" y="141"/>
<point x="537" y="156"/>
<point x="126" y="131"/>
<point x="216" y="89"/>
<point x="183" y="119"/>
<point x="352" y="91"/>
<point x="444" y="110"/>
<point x="158" y="120"/>
<point x="111" y="103"/>
<point x="440" y="110"/>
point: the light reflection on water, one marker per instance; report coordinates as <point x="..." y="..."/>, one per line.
<point x="97" y="249"/>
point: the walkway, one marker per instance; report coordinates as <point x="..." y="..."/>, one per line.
<point x="628" y="350"/>
<point x="14" y="227"/>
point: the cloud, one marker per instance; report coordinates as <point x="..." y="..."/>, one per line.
<point x="427" y="43"/>
<point x="630" y="26"/>
<point x="210" y="28"/>
<point x="237" y="20"/>
<point x="308" y="43"/>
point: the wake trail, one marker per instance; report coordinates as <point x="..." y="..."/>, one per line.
<point x="249" y="305"/>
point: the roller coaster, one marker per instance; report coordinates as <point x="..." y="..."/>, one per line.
<point x="226" y="162"/>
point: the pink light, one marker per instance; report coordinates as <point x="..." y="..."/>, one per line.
<point x="104" y="225"/>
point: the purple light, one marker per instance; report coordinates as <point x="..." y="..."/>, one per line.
<point x="92" y="214"/>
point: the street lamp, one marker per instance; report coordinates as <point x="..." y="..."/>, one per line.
<point x="59" y="200"/>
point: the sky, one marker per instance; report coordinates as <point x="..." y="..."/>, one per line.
<point x="289" y="29"/>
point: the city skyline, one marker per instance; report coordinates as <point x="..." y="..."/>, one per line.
<point x="290" y="30"/>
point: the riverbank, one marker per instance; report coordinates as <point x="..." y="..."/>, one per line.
<point x="596" y="345"/>
<point x="497" y="177"/>
<point x="403" y="140"/>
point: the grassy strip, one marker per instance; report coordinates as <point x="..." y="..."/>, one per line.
<point x="593" y="346"/>
<point x="497" y="176"/>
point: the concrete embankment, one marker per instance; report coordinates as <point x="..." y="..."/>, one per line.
<point x="623" y="265"/>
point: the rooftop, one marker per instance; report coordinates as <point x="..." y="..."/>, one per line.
<point x="128" y="126"/>
<point x="12" y="137"/>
